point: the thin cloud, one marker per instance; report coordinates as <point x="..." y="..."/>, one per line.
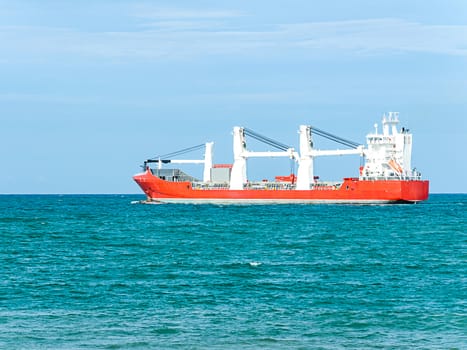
<point x="181" y="26"/>
<point x="180" y="14"/>
<point x="180" y="39"/>
<point x="183" y="20"/>
<point x="381" y="35"/>
<point x="46" y="98"/>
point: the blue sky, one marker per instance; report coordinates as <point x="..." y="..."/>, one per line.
<point x="90" y="89"/>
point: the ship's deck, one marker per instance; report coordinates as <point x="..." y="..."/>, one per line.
<point x="265" y="185"/>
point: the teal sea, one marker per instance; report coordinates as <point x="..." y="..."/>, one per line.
<point x="98" y="272"/>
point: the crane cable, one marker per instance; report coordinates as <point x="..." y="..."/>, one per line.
<point x="334" y="138"/>
<point x="176" y="153"/>
<point x="276" y="144"/>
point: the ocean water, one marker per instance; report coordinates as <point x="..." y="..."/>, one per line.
<point x="97" y="272"/>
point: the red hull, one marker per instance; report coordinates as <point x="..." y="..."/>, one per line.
<point x="351" y="191"/>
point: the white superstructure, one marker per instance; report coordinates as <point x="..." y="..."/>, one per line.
<point x="389" y="153"/>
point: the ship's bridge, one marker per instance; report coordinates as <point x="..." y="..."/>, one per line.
<point x="389" y="153"/>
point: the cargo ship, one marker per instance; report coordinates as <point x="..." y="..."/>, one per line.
<point x="386" y="175"/>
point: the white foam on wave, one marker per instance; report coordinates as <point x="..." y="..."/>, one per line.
<point x="146" y="202"/>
